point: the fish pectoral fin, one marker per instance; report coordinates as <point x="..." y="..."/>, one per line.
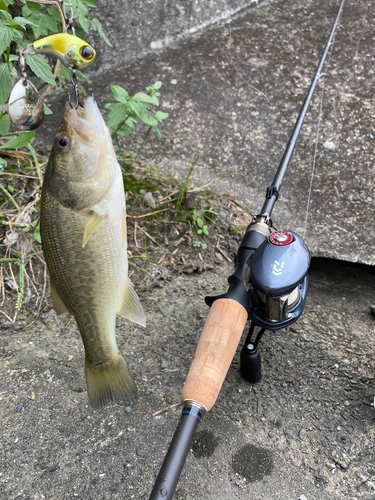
<point x="93" y="222"/>
<point x="57" y="302"/>
<point x="131" y="307"/>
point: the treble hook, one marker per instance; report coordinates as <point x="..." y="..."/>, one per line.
<point x="74" y="81"/>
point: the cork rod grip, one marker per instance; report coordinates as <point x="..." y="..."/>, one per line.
<point x="216" y="348"/>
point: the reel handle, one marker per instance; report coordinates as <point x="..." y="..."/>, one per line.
<point x="216" y="348"/>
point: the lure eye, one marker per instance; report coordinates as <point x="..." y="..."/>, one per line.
<point x="87" y="52"/>
<point x="63" y="143"/>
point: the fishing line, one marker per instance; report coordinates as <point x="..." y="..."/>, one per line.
<point x="315" y="154"/>
<point x="232" y="60"/>
<point x="320" y="113"/>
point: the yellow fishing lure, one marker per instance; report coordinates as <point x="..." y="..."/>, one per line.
<point x="72" y="51"/>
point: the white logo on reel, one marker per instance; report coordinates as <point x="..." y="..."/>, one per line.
<point x="277" y="270"/>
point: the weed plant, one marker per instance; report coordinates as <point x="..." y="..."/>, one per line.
<point x="22" y="267"/>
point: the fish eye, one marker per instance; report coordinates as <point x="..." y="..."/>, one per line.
<point x="87" y="52"/>
<point x="62" y="142"/>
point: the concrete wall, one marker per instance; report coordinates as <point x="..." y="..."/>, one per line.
<point x="137" y="27"/>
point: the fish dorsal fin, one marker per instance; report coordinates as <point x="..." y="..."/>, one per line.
<point x="131" y="307"/>
<point x="93" y="221"/>
<point x="57" y="302"/>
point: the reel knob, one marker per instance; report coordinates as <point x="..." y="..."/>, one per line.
<point x="250" y="364"/>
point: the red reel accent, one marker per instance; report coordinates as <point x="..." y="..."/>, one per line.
<point x="281" y="238"/>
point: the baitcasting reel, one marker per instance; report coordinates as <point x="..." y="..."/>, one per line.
<point x="270" y="281"/>
<point x="278" y="280"/>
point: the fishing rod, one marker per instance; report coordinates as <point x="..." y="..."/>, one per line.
<point x="269" y="287"/>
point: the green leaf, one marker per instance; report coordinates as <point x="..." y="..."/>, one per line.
<point x="199" y="222"/>
<point x="5" y="38"/>
<point x="97" y="26"/>
<point x="7" y="16"/>
<point x="130" y="121"/>
<point x="157" y="85"/>
<point x="20" y="141"/>
<point x="148" y="120"/>
<point x="54" y="12"/>
<point x="64" y="73"/>
<point x="124" y="130"/>
<point x="136" y="108"/>
<point x="30" y="8"/>
<point x="151" y="90"/>
<point x="21" y="21"/>
<point x="43" y="23"/>
<point x="3" y="6"/>
<point x="117" y="115"/>
<point x="119" y="93"/>
<point x="5" y="124"/>
<point x="39" y="65"/>
<point x="82" y="77"/>
<point x="205" y="230"/>
<point x="48" y="25"/>
<point x="47" y="110"/>
<point x="17" y="37"/>
<point x="13" y="72"/>
<point x="142" y="97"/>
<point x="79" y="32"/>
<point x="3" y="162"/>
<point x="160" y="115"/>
<point x="83" y="16"/>
<point x="90" y="3"/>
<point x="157" y="132"/>
<point x="37" y="236"/>
<point x="5" y="83"/>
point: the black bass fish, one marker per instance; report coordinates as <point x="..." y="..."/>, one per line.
<point x="83" y="230"/>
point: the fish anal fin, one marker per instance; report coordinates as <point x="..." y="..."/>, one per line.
<point x="92" y="223"/>
<point x="57" y="302"/>
<point x="110" y="382"/>
<point x="131" y="307"/>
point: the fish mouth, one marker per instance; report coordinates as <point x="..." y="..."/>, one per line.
<point x="87" y="123"/>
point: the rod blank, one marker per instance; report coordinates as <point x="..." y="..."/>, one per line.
<point x="270" y="201"/>
<point x="169" y="474"/>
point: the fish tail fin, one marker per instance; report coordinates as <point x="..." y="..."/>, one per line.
<point x="112" y="382"/>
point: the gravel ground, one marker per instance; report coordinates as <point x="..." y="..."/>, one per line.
<point x="306" y="429"/>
